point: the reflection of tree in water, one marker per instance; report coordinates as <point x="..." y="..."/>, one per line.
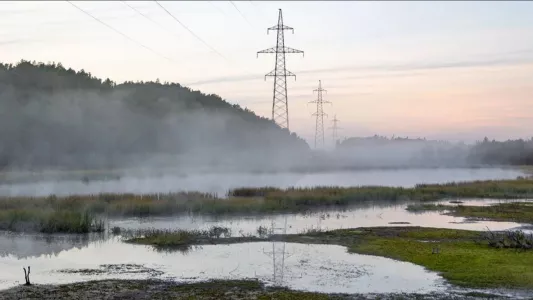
<point x="26" y="245"/>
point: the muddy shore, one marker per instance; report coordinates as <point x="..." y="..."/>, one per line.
<point x="231" y="289"/>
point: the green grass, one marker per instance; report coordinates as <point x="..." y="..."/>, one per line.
<point x="521" y="212"/>
<point x="462" y="260"/>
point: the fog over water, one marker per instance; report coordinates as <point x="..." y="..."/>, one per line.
<point x="220" y="183"/>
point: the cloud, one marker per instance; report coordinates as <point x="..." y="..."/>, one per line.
<point x="417" y="66"/>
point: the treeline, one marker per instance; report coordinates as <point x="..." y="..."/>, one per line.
<point x="512" y="152"/>
<point x="54" y="117"/>
<point x="439" y="152"/>
<point x="383" y="140"/>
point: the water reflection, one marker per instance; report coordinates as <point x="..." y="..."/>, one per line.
<point x="368" y="214"/>
<point x="56" y="259"/>
<point x="323" y="268"/>
<point x="28" y="245"/>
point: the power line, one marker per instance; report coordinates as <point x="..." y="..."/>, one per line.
<point x="146" y="17"/>
<point x="190" y="31"/>
<point x="258" y="9"/>
<point x="218" y="8"/>
<point x="242" y="15"/>
<point x="117" y="31"/>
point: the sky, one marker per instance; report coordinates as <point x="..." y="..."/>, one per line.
<point x="452" y="70"/>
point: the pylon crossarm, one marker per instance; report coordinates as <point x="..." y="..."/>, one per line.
<point x="289" y="73"/>
<point x="283" y="27"/>
<point x="279" y="73"/>
<point x="291" y="50"/>
<point x="269" y="50"/>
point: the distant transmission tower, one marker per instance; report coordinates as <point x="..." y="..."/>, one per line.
<point x="335" y="128"/>
<point x="319" y="129"/>
<point x="280" y="108"/>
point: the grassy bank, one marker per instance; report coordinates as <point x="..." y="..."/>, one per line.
<point x="212" y="290"/>
<point x="17" y="211"/>
<point x="464" y="258"/>
<point x="521" y="212"/>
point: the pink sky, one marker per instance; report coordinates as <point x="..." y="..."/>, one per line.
<point x="455" y="70"/>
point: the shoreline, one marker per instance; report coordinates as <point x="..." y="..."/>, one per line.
<point x="456" y="260"/>
<point x="213" y="289"/>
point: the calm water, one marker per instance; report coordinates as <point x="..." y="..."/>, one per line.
<point x="221" y="183"/>
<point x="323" y="268"/>
<point x="362" y="215"/>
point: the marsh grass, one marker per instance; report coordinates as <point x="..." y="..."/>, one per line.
<point x="166" y="237"/>
<point x="184" y="240"/>
<point x="18" y="212"/>
<point x="50" y="221"/>
<point x="521" y="212"/>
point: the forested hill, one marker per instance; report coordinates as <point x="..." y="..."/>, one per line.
<point x="54" y="117"/>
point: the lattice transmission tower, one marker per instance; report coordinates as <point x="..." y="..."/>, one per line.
<point x="280" y="107"/>
<point x="335" y="128"/>
<point x="278" y="254"/>
<point x="319" y="114"/>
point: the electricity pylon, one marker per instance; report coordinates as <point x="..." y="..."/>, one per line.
<point x="280" y="105"/>
<point x="319" y="114"/>
<point x="335" y="128"/>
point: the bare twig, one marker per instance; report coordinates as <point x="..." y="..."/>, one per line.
<point x="27" y="276"/>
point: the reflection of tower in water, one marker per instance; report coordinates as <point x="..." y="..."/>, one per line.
<point x="278" y="254"/>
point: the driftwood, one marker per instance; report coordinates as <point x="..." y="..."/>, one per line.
<point x="27" y="276"/>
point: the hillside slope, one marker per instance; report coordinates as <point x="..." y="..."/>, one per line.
<point x="57" y="118"/>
